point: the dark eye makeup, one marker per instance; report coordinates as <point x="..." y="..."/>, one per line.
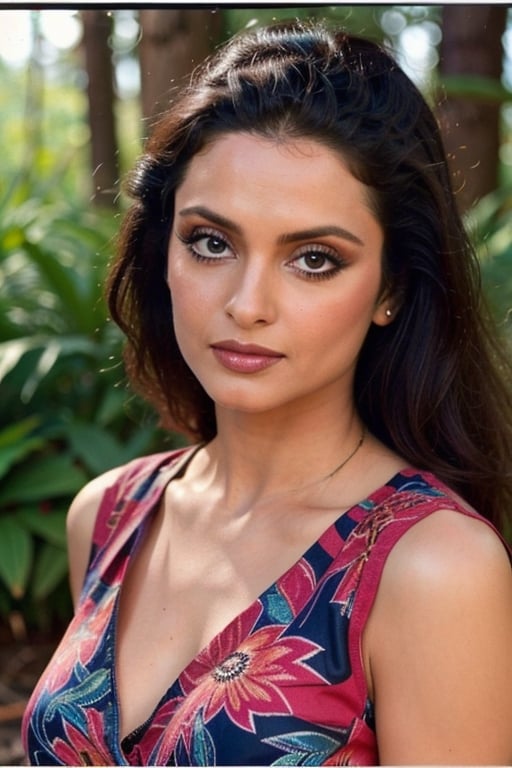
<point x="310" y="262"/>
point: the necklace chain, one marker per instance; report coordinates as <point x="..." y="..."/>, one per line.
<point x="323" y="479"/>
<point x="345" y="461"/>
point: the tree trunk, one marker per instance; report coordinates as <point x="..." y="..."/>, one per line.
<point x="97" y="25"/>
<point x="172" y="43"/>
<point x="471" y="46"/>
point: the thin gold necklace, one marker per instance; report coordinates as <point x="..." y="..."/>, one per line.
<point x="323" y="479"/>
<point x="346" y="461"/>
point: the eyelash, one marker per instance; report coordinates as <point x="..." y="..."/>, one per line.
<point x="201" y="233"/>
<point x="318" y="250"/>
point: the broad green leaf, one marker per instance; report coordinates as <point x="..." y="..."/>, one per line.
<point x="47" y="359"/>
<point x="12" y="454"/>
<point x="48" y="350"/>
<point x="140" y="443"/>
<point x="11" y="353"/>
<point x="16" y="554"/>
<point x="47" y="478"/>
<point x="11" y="238"/>
<point x="64" y="282"/>
<point x="16" y="443"/>
<point x="50" y="568"/>
<point x="50" y="526"/>
<point x="15" y="432"/>
<point x="112" y="406"/>
<point x="63" y="279"/>
<point x="98" y="449"/>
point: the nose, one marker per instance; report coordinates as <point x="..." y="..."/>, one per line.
<point x="252" y="298"/>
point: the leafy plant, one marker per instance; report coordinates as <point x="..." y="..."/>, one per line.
<point x="63" y="410"/>
<point x="491" y="224"/>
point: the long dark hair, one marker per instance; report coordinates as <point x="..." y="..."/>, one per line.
<point x="434" y="384"/>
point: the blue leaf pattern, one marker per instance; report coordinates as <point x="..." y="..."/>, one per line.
<point x="304" y="748"/>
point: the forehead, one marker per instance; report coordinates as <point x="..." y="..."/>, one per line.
<point x="264" y="190"/>
<point x="235" y="162"/>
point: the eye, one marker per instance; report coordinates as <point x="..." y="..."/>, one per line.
<point x="317" y="262"/>
<point x="206" y="245"/>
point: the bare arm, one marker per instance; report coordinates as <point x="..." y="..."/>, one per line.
<point x="80" y="526"/>
<point x="439" y="647"/>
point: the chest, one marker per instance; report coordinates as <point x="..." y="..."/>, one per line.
<point x="185" y="585"/>
<point x="276" y="677"/>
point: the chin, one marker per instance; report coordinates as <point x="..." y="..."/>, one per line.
<point x="242" y="402"/>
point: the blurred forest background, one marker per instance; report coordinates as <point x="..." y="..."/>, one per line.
<point x="78" y="93"/>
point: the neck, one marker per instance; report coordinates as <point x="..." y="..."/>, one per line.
<point x="257" y="458"/>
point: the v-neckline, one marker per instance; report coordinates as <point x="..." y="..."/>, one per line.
<point x="138" y="536"/>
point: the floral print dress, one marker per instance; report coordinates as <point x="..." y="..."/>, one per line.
<point x="282" y="684"/>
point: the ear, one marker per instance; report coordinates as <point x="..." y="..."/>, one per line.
<point x="386" y="308"/>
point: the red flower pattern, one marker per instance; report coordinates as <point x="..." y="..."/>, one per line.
<point x="251" y="679"/>
<point x="79" y="749"/>
<point x="81" y="640"/>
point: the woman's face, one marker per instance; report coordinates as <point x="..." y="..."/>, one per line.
<point x="275" y="272"/>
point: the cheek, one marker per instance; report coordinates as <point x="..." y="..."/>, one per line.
<point x="181" y="298"/>
<point x="348" y="311"/>
<point x="192" y="300"/>
<point x="338" y="326"/>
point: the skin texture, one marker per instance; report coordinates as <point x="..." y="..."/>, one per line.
<point x="258" y="290"/>
<point x="254" y="219"/>
<point x="438" y="645"/>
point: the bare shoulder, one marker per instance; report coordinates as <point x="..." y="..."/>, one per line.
<point x="438" y="644"/>
<point x="445" y="548"/>
<point x="80" y="525"/>
<point x="446" y="566"/>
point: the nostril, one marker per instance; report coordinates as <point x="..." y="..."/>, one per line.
<point x="251" y="304"/>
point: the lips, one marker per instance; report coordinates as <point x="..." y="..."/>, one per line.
<point x="244" y="358"/>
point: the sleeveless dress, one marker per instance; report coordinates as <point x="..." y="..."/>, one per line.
<point x="282" y="684"/>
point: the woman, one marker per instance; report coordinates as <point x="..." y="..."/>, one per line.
<point x="309" y="582"/>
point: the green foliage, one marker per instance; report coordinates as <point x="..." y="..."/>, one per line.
<point x="355" y="18"/>
<point x="63" y="413"/>
<point x="378" y="22"/>
<point x="491" y="224"/>
<point x="486" y="89"/>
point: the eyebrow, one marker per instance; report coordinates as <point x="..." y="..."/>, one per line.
<point x="291" y="237"/>
<point x="215" y="218"/>
<point x="328" y="229"/>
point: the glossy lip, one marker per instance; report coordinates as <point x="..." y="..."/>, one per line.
<point x="244" y="358"/>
